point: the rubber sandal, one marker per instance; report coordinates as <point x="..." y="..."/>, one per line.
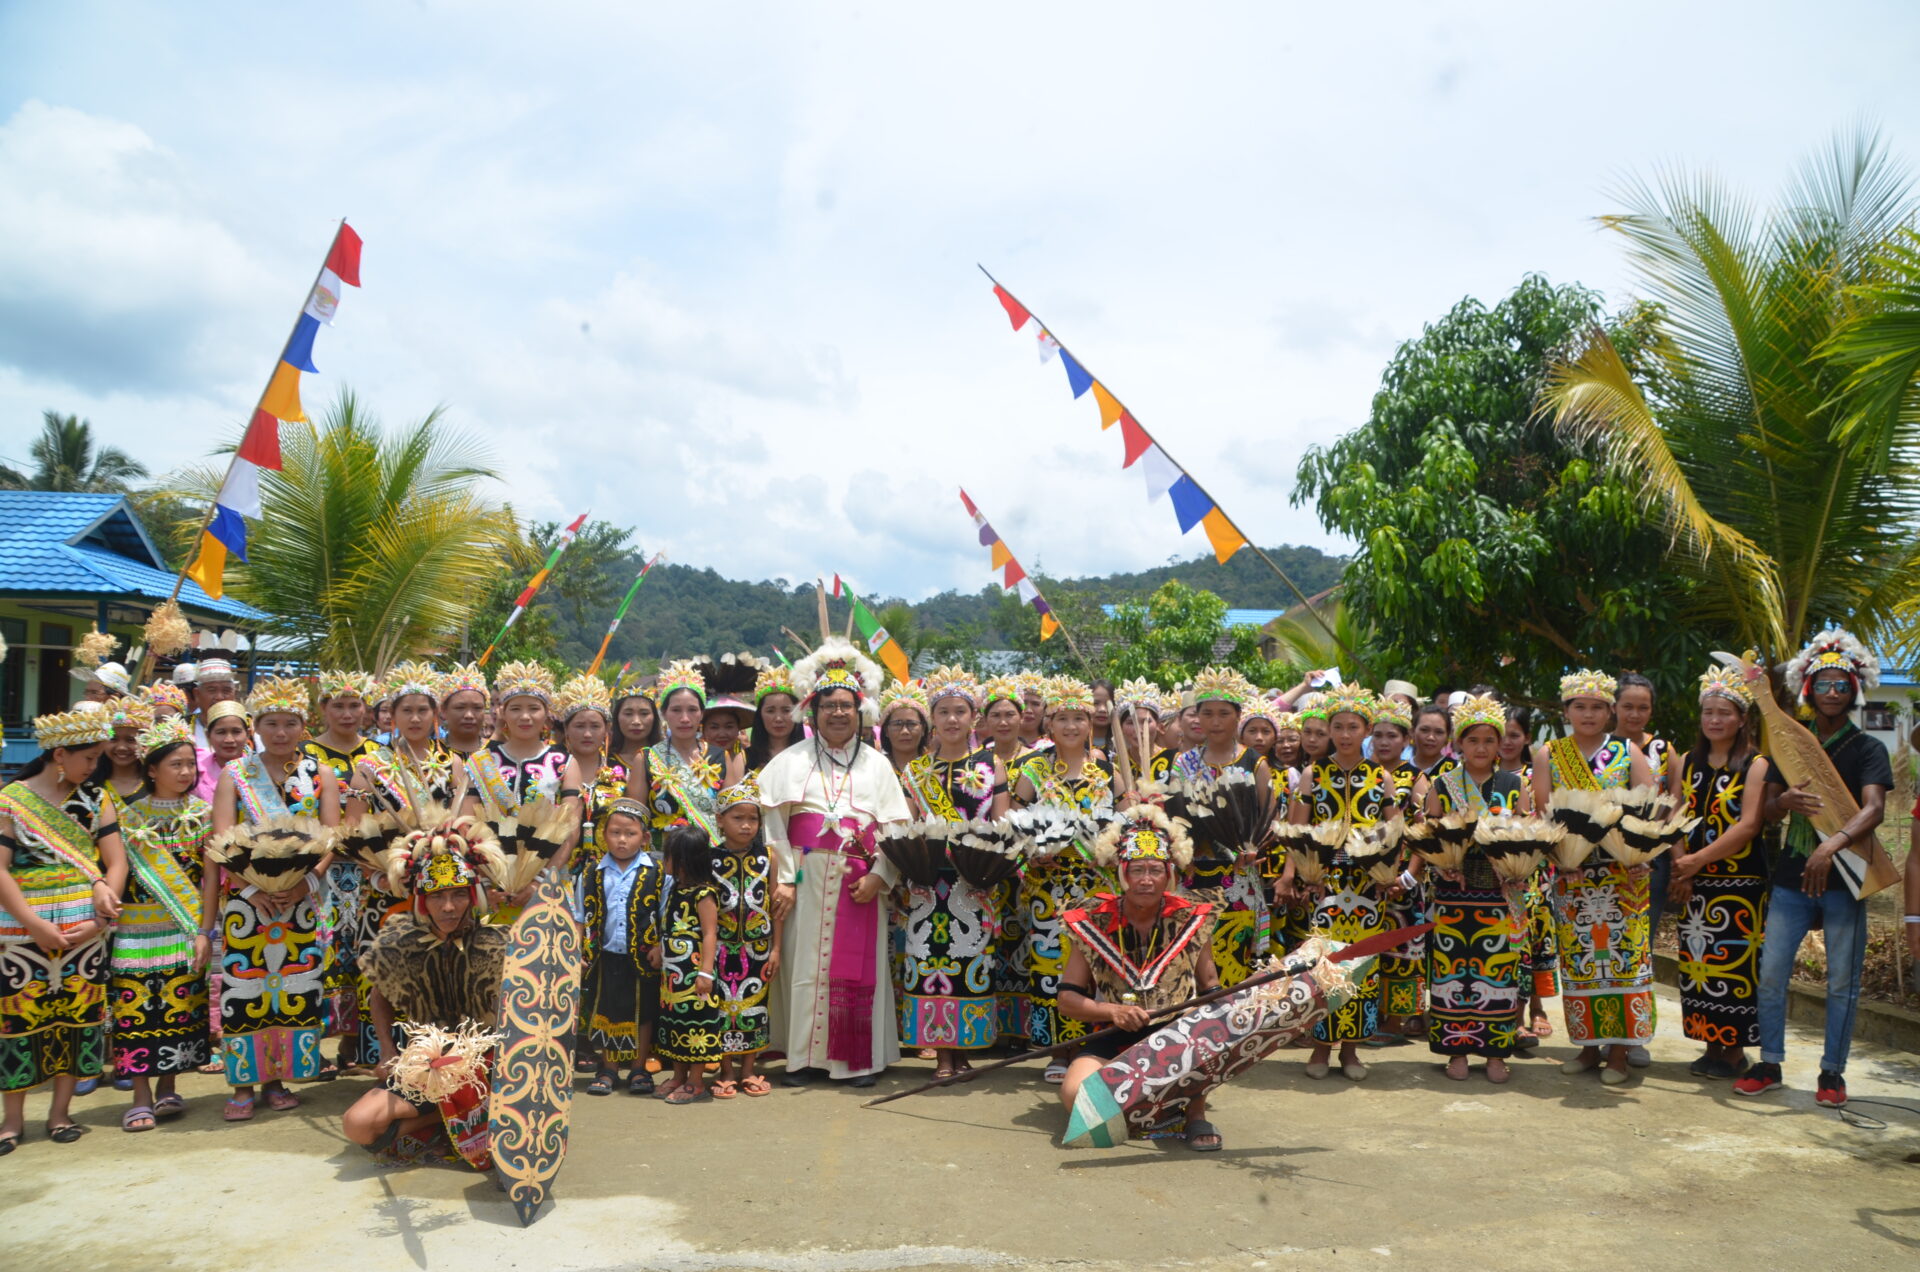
<point x="1056" y="1074"/>
<point x="325" y="1073"/>
<point x="66" y="1134"/>
<point x="8" y="1143"/>
<point x="755" y="1085"/>
<point x="123" y="1084"/>
<point x="602" y="1083"/>
<point x="1542" y="1027"/>
<point x="723" y="1089"/>
<point x="1203" y="1130"/>
<point x="169" y="1106"/>
<point x="238" y="1110"/>
<point x="943" y="1072"/>
<point x="688" y="1095"/>
<point x="86" y="1086"/>
<point x="138" y="1113"/>
<point x="214" y="1066"/>
<point x="282" y="1101"/>
<point x="640" y="1084"/>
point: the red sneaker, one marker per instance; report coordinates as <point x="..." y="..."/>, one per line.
<point x="1758" y="1080"/>
<point x="1832" y="1092"/>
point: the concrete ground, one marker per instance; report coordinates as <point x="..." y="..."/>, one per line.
<point x="1407" y="1169"/>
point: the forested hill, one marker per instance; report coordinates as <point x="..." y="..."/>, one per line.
<point x="682" y="610"/>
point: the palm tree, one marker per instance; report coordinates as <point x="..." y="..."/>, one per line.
<point x="1305" y="643"/>
<point x="371" y="547"/>
<point x="1792" y="490"/>
<point x="64" y="458"/>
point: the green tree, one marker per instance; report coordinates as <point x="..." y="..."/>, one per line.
<point x="371" y="546"/>
<point x="1490" y="547"/>
<point x="1174" y="633"/>
<point x="1781" y="460"/>
<point x="1305" y="645"/>
<point x="64" y="458"/>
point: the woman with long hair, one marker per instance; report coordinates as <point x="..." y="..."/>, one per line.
<point x="586" y="723"/>
<point x="464" y="697"/>
<point x="636" y="726"/>
<point x="1721" y="880"/>
<point x="776" y="726"/>
<point x="903" y="725"/>
<point x="1226" y="875"/>
<point x="1000" y="716"/>
<point x="1102" y="715"/>
<point x="680" y="777"/>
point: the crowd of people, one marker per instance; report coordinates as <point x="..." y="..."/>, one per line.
<point x="722" y="859"/>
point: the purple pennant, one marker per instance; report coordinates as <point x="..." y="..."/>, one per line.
<point x="987" y="537"/>
<point x="1040" y="604"/>
<point x="1190" y="503"/>
<point x="1076" y="374"/>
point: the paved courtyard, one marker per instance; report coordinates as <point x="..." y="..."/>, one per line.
<point x="1407" y="1170"/>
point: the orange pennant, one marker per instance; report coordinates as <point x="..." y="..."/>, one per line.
<point x="282" y="399"/>
<point x="1048" y="626"/>
<point x="1226" y="540"/>
<point x="1110" y="408"/>
<point x="1001" y="554"/>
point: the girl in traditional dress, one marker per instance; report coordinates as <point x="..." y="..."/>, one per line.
<point x="1476" y="951"/>
<point x="120" y="776"/>
<point x="1390" y="735"/>
<point x="350" y="905"/>
<point x="775" y="728"/>
<point x="1101" y="738"/>
<point x="586" y="718"/>
<point x="903" y="725"/>
<point x="1722" y="881"/>
<point x="1632" y="713"/>
<point x="158" y="990"/>
<point x="951" y="927"/>
<point x="1000" y="717"/>
<point x="416" y="765"/>
<point x="636" y="726"/>
<point x="1431" y="728"/>
<point x="521" y="765"/>
<point x="1316" y="739"/>
<point x="690" y="1017"/>
<point x="747" y="938"/>
<point x="463" y="709"/>
<point x="1402" y="971"/>
<point x="1543" y="950"/>
<point x="1136" y="724"/>
<point x="61" y="873"/>
<point x="1600" y="909"/>
<point x="1258" y="728"/>
<point x="1067" y="774"/>
<point x="1356" y="792"/>
<point x="680" y="777"/>
<point x="620" y="991"/>
<point x="999" y="728"/>
<point x="1226" y="876"/>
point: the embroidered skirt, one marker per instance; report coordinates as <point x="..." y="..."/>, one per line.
<point x="947" y="997"/>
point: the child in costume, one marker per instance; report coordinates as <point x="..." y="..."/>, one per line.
<point x="749" y="931"/>
<point x="691" y="1016"/>
<point x="620" y="992"/>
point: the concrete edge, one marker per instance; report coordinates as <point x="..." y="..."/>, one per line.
<point x="1884" y="1024"/>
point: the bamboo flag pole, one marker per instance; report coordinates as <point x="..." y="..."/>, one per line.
<point x="1188" y="473"/>
<point x="259" y="404"/>
<point x="621" y="612"/>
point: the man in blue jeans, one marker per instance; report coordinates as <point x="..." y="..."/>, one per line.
<point x="1829" y="675"/>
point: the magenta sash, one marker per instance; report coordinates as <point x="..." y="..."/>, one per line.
<point x="852" y="966"/>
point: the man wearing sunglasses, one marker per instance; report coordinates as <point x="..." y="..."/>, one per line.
<point x="1829" y="676"/>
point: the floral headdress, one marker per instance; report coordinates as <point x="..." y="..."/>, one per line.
<point x="347" y="684"/>
<point x="584" y="693"/>
<point x="1728" y="683"/>
<point x="1221" y="684"/>
<point x="836" y="664"/>
<point x="744" y="791"/>
<point x="950" y="682"/>
<point x="1484" y="709"/>
<point x="1001" y="689"/>
<point x="1588" y="683"/>
<point x="903" y="695"/>
<point x="1835" y="649"/>
<point x="408" y="678"/>
<point x="1064" y="693"/>
<point x="85" y="725"/>
<point x="130" y="713"/>
<point x="1259" y="709"/>
<point x="774" y="680"/>
<point x="280" y="694"/>
<point x="524" y="679"/>
<point x="1348" y="698"/>
<point x="1144" y="832"/>
<point x="164" y="733"/>
<point x="465" y="677"/>
<point x="1286" y="722"/>
<point x="1136" y="694"/>
<point x="684" y="673"/>
<point x="1393" y="711"/>
<point x="164" y="693"/>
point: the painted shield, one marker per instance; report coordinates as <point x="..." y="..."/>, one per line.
<point x="533" y="1069"/>
<point x="1147" y="1088"/>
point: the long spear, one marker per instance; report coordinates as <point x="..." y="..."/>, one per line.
<point x="1359" y="949"/>
<point x="526" y="597"/>
<point x="621" y="613"/>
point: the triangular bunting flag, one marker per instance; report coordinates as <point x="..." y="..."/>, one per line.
<point x="1014" y="574"/>
<point x="241" y="490"/>
<point x="1001" y="555"/>
<point x="1077" y="377"/>
<point x="987" y="537"/>
<point x="1159" y="471"/>
<point x="1048" y="626"/>
<point x="1190" y="503"/>
<point x="1016" y="312"/>
<point x="1110" y="408"/>
<point x="261" y="445"/>
<point x="299" y="352"/>
<point x="1048" y="347"/>
<point x="971" y="510"/>
<point x="1134" y="438"/>
<point x="1028" y="592"/>
<point x="344" y="259"/>
<point x="282" y="398"/>
<point x="1226" y="540"/>
<point x="324" y="301"/>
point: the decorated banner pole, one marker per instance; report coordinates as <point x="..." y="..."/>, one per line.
<point x="878" y="640"/>
<point x="621" y="613"/>
<point x="1194" y="506"/>
<point x="1016" y="580"/>
<point x="526" y="597"/>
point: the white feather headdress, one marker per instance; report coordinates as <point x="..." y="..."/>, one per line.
<point x="839" y="664"/>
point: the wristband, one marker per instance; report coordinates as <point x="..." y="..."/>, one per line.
<point x="1913" y="918"/>
<point x="1407" y="880"/>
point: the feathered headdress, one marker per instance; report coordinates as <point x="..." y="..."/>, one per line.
<point x="408" y="678"/>
<point x="130" y="713"/>
<point x="524" y="679"/>
<point x="85" y="725"/>
<point x="1588" y="683"/>
<point x="347" y="684"/>
<point x="275" y="854"/>
<point x="163" y="733"/>
<point x="164" y="693"/>
<point x="1136" y="694"/>
<point x="1835" y="649"/>
<point x="1144" y="832"/>
<point x="280" y="694"/>
<point x="1476" y="711"/>
<point x="584" y="693"/>
<point x="774" y="680"/>
<point x="898" y="694"/>
<point x="1347" y="699"/>
<point x="445" y="851"/>
<point x="684" y="673"/>
<point x="950" y="682"/>
<point x="1726" y="682"/>
<point x="1001" y="689"/>
<point x="744" y="791"/>
<point x="461" y="679"/>
<point x="1064" y="693"/>
<point x="1221" y="684"/>
<point x="836" y="664"/>
<point x="1286" y="722"/>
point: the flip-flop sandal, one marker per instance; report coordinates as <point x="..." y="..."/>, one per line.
<point x="214" y="1066"/>
<point x="756" y="1085"/>
<point x="325" y="1073"/>
<point x="723" y="1089"/>
<point x="602" y="1084"/>
<point x="687" y="1095"/>
<point x="640" y="1084"/>
<point x="238" y="1110"/>
<point x="141" y="1114"/>
<point x="1542" y="1027"/>
<point x="1056" y="1074"/>
<point x="169" y="1106"/>
<point x="1203" y="1130"/>
<point x="282" y="1101"/>
<point x="66" y="1134"/>
<point x="943" y="1073"/>
<point x="667" y="1091"/>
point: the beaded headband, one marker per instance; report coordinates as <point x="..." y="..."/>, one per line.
<point x="1835" y="649"/>
<point x="347" y="684"/>
<point x="1475" y="711"/>
<point x="1137" y="693"/>
<point x="584" y="693"/>
<point x="744" y="791"/>
<point x="1221" y="684"/>
<point x="1588" y="683"/>
<point x="950" y="682"/>
<point x="130" y="713"/>
<point x="683" y="674"/>
<point x="162" y="693"/>
<point x="1000" y="689"/>
<point x="1348" y="699"/>
<point x="524" y="679"/>
<point x="85" y="725"/>
<point x="773" y="680"/>
<point x="1393" y="711"/>
<point x="461" y="679"/>
<point x="1064" y="693"/>
<point x="629" y="808"/>
<point x="408" y="678"/>
<point x="1144" y="833"/>
<point x="903" y="695"/>
<point x="1728" y="683"/>
<point x="279" y="695"/>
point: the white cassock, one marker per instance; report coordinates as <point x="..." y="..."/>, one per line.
<point x="820" y="806"/>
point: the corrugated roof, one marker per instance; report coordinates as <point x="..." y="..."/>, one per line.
<point x="66" y="544"/>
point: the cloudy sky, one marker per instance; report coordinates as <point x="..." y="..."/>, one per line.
<point x="709" y="270"/>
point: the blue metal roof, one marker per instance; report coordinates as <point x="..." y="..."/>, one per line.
<point x="1234" y="618"/>
<point x="70" y="545"/>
